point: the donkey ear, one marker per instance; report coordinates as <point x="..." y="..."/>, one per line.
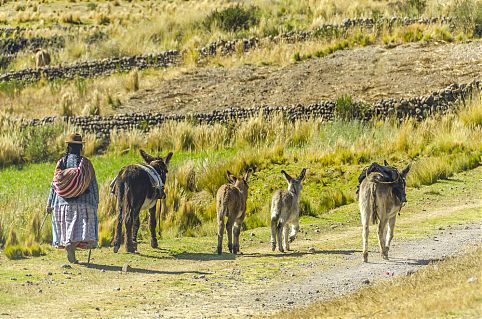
<point x="406" y="170"/>
<point x="148" y="158"/>
<point x="385" y="163"/>
<point x="287" y="176"/>
<point x="302" y="175"/>
<point x="167" y="158"/>
<point x="247" y="174"/>
<point x="231" y="177"/>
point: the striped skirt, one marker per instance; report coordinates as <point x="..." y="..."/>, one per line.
<point x="75" y="224"/>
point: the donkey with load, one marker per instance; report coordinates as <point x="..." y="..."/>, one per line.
<point x="138" y="187"/>
<point x="381" y="195"/>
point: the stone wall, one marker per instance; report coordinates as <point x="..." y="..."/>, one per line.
<point x="15" y="45"/>
<point x="94" y="68"/>
<point x="438" y="102"/>
<point x="225" y="47"/>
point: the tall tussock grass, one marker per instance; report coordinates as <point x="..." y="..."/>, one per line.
<point x="335" y="152"/>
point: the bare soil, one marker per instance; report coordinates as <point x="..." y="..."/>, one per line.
<point x="370" y="73"/>
<point x="186" y="279"/>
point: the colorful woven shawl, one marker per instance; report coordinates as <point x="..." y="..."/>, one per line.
<point x="72" y="182"/>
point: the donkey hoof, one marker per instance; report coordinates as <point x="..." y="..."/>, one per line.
<point x="235" y="250"/>
<point x="116" y="248"/>
<point x="385" y="256"/>
<point x="130" y="249"/>
<point x="154" y="243"/>
<point x="230" y="247"/>
<point x="365" y="257"/>
<point x="273" y="247"/>
<point x="220" y="250"/>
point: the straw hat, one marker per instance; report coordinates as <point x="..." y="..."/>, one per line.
<point x="74" y="138"/>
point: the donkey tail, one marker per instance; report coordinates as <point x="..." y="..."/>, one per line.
<point x="373" y="203"/>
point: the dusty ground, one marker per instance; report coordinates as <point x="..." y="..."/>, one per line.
<point x="368" y="73"/>
<point x="185" y="279"/>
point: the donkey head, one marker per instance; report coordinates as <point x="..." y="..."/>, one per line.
<point x="399" y="187"/>
<point x="240" y="182"/>
<point x="159" y="163"/>
<point x="294" y="184"/>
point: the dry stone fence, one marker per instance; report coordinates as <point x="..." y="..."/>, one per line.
<point x="225" y="47"/>
<point x="10" y="46"/>
<point x="94" y="68"/>
<point x="438" y="102"/>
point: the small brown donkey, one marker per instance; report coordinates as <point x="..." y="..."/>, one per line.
<point x="231" y="203"/>
<point x="137" y="187"/>
<point x="378" y="201"/>
<point x="285" y="212"/>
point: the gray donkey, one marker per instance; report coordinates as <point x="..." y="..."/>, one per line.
<point x="378" y="201"/>
<point x="285" y="212"/>
<point x="231" y="203"/>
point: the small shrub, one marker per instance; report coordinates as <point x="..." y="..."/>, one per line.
<point x="91" y="6"/>
<point x="132" y="83"/>
<point x="14" y="252"/>
<point x="232" y="19"/>
<point x="38" y="142"/>
<point x="472" y="114"/>
<point x="71" y="19"/>
<point x="345" y="108"/>
<point x="102" y="19"/>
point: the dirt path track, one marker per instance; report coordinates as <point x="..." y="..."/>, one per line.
<point x="185" y="279"/>
<point x="368" y="73"/>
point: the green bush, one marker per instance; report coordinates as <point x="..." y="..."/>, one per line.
<point x="468" y="14"/>
<point x="232" y="19"/>
<point x="14" y="252"/>
<point x="38" y="142"/>
<point x="346" y="109"/>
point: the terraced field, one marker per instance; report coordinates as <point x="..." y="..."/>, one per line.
<point x="267" y="85"/>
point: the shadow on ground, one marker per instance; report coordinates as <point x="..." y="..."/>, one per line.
<point x="299" y="253"/>
<point x="141" y="270"/>
<point x="204" y="256"/>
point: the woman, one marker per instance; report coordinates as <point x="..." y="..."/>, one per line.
<point x="73" y="200"/>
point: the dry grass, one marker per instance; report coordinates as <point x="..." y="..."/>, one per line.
<point x="439" y="290"/>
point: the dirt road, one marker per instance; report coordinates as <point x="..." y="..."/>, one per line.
<point x="185" y="279"/>
<point x="368" y="73"/>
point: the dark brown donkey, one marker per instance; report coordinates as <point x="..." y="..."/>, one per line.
<point x="135" y="190"/>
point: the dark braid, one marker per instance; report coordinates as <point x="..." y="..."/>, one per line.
<point x="73" y="149"/>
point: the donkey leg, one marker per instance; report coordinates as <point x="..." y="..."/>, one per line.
<point x="118" y="233"/>
<point x="382" y="227"/>
<point x="279" y="233"/>
<point x="389" y="237"/>
<point x="274" y="232"/>
<point x="220" y="234"/>
<point x="365" y="242"/>
<point x="286" y="232"/>
<point x="129" y="223"/>
<point x="229" y="232"/>
<point x="152" y="226"/>
<point x="236" y="232"/>
<point x="135" y="226"/>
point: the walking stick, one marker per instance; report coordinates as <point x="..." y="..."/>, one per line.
<point x="88" y="258"/>
<point x="47" y="212"/>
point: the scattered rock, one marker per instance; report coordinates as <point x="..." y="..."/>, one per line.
<point x="14" y="279"/>
<point x="257" y="299"/>
<point x="49" y="274"/>
<point x="39" y="291"/>
<point x="97" y="308"/>
<point x="410" y="272"/>
<point x="126" y="268"/>
<point x="66" y="266"/>
<point x="311" y="250"/>
<point x="117" y="289"/>
<point x="365" y="281"/>
<point x="472" y="280"/>
<point x="252" y="234"/>
<point x="290" y="302"/>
